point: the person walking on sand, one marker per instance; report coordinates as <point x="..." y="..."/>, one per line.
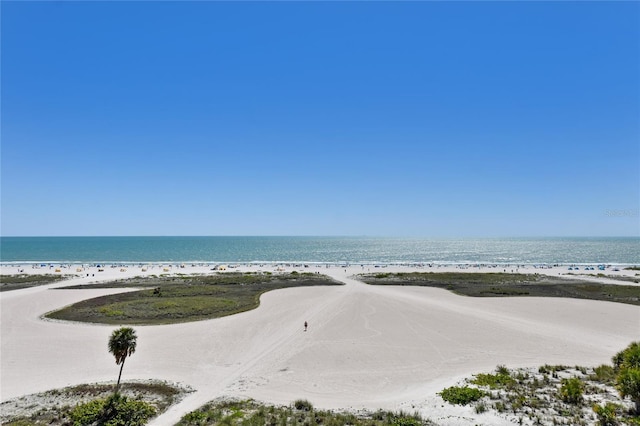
<point x="305" y="326"/>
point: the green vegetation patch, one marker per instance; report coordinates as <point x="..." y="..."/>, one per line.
<point x="509" y="285"/>
<point x="115" y="410"/>
<point x="301" y="412"/>
<point x="604" y="374"/>
<point x="16" y="282"/>
<point x="559" y="394"/>
<point x="165" y="300"/>
<point x="571" y="390"/>
<point x="502" y="379"/>
<point x="64" y="407"/>
<point x="461" y="395"/>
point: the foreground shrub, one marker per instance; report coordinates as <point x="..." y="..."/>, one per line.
<point x="300" y="412"/>
<point x="494" y="381"/>
<point x="406" y="421"/>
<point x="606" y="414"/>
<point x="303" y="405"/>
<point x="461" y="395"/>
<point x="571" y="390"/>
<point x="627" y="364"/>
<point x="604" y="374"/>
<point x="195" y="418"/>
<point x="628" y="358"/>
<point x="628" y="384"/>
<point x="116" y="410"/>
<point x="88" y="413"/>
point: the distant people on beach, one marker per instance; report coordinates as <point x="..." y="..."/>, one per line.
<point x="305" y="326"/>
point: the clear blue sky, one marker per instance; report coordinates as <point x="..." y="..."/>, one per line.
<point x="327" y="118"/>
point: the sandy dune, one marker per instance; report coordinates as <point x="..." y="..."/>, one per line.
<point x="366" y="347"/>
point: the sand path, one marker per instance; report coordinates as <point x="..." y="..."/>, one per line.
<point x="366" y="347"/>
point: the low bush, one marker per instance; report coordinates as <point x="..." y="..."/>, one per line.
<point x="461" y="395"/>
<point x="116" y="410"/>
<point x="604" y="374"/>
<point x="628" y="384"/>
<point x="607" y="414"/>
<point x="571" y="390"/>
<point x="406" y="421"/>
<point x="195" y="418"/>
<point x="546" y="369"/>
<point x="300" y="412"/>
<point x="88" y="413"/>
<point x="494" y="381"/>
<point x="303" y="405"/>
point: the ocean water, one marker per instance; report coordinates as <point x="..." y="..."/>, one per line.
<point x="354" y="250"/>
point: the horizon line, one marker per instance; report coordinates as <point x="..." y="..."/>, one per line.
<point x="322" y="236"/>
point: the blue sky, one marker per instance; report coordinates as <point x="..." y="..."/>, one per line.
<point x="431" y="119"/>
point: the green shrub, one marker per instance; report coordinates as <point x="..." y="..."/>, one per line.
<point x="195" y="418"/>
<point x="113" y="411"/>
<point x="302" y="405"/>
<point x="627" y="365"/>
<point x="494" y="381"/>
<point x="461" y="395"/>
<point x="406" y="421"/>
<point x="628" y="383"/>
<point x="571" y="390"/>
<point x="546" y="369"/>
<point x="87" y="413"/>
<point x="503" y="371"/>
<point x="604" y="374"/>
<point x="606" y="414"/>
<point x="629" y="357"/>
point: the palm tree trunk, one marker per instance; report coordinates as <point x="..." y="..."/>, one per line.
<point x="119" y="375"/>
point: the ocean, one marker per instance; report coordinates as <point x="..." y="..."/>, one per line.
<point x="352" y="250"/>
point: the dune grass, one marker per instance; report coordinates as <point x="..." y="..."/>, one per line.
<point x="506" y="284"/>
<point x="301" y="412"/>
<point x="167" y="300"/>
<point x="550" y="395"/>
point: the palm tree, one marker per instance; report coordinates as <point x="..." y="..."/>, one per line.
<point x="122" y="343"/>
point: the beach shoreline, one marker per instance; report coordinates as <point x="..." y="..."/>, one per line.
<point x="155" y="268"/>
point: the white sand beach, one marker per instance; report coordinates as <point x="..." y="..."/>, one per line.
<point x="366" y="347"/>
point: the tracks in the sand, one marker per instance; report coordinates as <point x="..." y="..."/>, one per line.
<point x="366" y="347"/>
<point x="273" y="348"/>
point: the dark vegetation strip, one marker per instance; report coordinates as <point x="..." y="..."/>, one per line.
<point x="635" y="280"/>
<point x="166" y="300"/>
<point x="19" y="281"/>
<point x="301" y="412"/>
<point x="505" y="284"/>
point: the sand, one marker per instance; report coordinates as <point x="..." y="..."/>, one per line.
<point x="367" y="347"/>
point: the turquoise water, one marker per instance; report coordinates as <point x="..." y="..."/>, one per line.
<point x="320" y="249"/>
